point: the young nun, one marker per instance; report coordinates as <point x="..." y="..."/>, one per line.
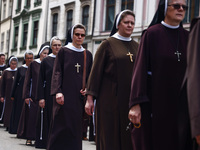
<point x="67" y="79"/>
<point x="43" y="94"/>
<point x="157" y="100"/>
<point x="2" y="68"/>
<point x="110" y="82"/>
<point x="6" y="86"/>
<point x="29" y="93"/>
<point x="16" y="94"/>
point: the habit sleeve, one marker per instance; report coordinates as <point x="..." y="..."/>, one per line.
<point x="27" y="83"/>
<point x="193" y="78"/>
<point x="94" y="81"/>
<point x="138" y="92"/>
<point x="41" y="82"/>
<point x="57" y="76"/>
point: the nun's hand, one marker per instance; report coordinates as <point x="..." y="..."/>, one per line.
<point x="198" y="139"/>
<point x="2" y="99"/>
<point x="135" y="114"/>
<point x="89" y="106"/>
<point x="42" y="103"/>
<point x="60" y="98"/>
<point x="27" y="100"/>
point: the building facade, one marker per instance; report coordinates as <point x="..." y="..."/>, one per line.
<point x="36" y="21"/>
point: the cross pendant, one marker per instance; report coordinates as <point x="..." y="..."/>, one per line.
<point x="178" y="55"/>
<point x="77" y="67"/>
<point x="131" y="56"/>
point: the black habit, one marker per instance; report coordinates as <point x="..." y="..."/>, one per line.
<point x="18" y="102"/>
<point x="66" y="128"/>
<point x="156" y="86"/>
<point x="43" y="92"/>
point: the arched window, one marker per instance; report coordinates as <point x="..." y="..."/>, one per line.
<point x="55" y="24"/>
<point x="85" y="16"/>
<point x="127" y="4"/>
<point x="110" y="12"/>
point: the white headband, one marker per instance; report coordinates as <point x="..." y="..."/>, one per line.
<point x="47" y="46"/>
<point x="12" y="58"/>
<point x="28" y="52"/>
<point x="72" y="31"/>
<point x="54" y="38"/>
<point x="118" y="18"/>
<point x="166" y="1"/>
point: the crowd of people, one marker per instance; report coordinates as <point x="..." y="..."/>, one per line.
<point x="142" y="96"/>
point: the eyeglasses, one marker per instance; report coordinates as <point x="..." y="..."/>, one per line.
<point x="57" y="45"/>
<point x="78" y="34"/>
<point x="178" y="6"/>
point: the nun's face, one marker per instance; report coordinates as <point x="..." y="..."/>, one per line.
<point x="126" y="26"/>
<point x="56" y="45"/>
<point x="28" y="59"/>
<point x="175" y="12"/>
<point x="13" y="64"/>
<point x="44" y="54"/>
<point x="78" y="37"/>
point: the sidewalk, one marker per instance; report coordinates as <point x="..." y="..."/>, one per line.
<point x="9" y="142"/>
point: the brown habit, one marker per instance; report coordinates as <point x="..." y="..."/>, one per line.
<point x="193" y="78"/>
<point x="110" y="83"/>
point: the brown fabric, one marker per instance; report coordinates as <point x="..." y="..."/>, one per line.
<point x="66" y="127"/>
<point x="156" y="86"/>
<point x="6" y="87"/>
<point x="193" y="78"/>
<point x="109" y="83"/>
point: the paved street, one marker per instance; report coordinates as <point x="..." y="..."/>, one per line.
<point x="9" y="142"/>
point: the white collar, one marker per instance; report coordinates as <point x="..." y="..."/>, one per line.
<point x="169" y="26"/>
<point x="25" y="66"/>
<point x="72" y="47"/>
<point x="9" y="69"/>
<point x="2" y="65"/>
<point x="119" y="37"/>
<point x="38" y="60"/>
<point x="52" y="55"/>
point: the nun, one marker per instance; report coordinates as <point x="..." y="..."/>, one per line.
<point x="43" y="94"/>
<point x="71" y="70"/>
<point x="158" y="103"/>
<point x="6" y="86"/>
<point x="16" y="93"/>
<point x="110" y="83"/>
<point x="29" y="95"/>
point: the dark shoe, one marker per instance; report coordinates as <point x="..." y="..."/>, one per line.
<point x="85" y="138"/>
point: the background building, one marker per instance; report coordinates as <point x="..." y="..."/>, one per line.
<point x="36" y="21"/>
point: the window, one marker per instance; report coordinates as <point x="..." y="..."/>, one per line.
<point x="19" y="4"/>
<point x="16" y="36"/>
<point x="69" y="19"/>
<point x="7" y="39"/>
<point x="25" y="35"/>
<point x="35" y="33"/>
<point x="110" y="12"/>
<point x="193" y="10"/>
<point x="28" y="3"/>
<point x="55" y="24"/>
<point x="85" y="16"/>
<point x="2" y="41"/>
<point x="127" y="4"/>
